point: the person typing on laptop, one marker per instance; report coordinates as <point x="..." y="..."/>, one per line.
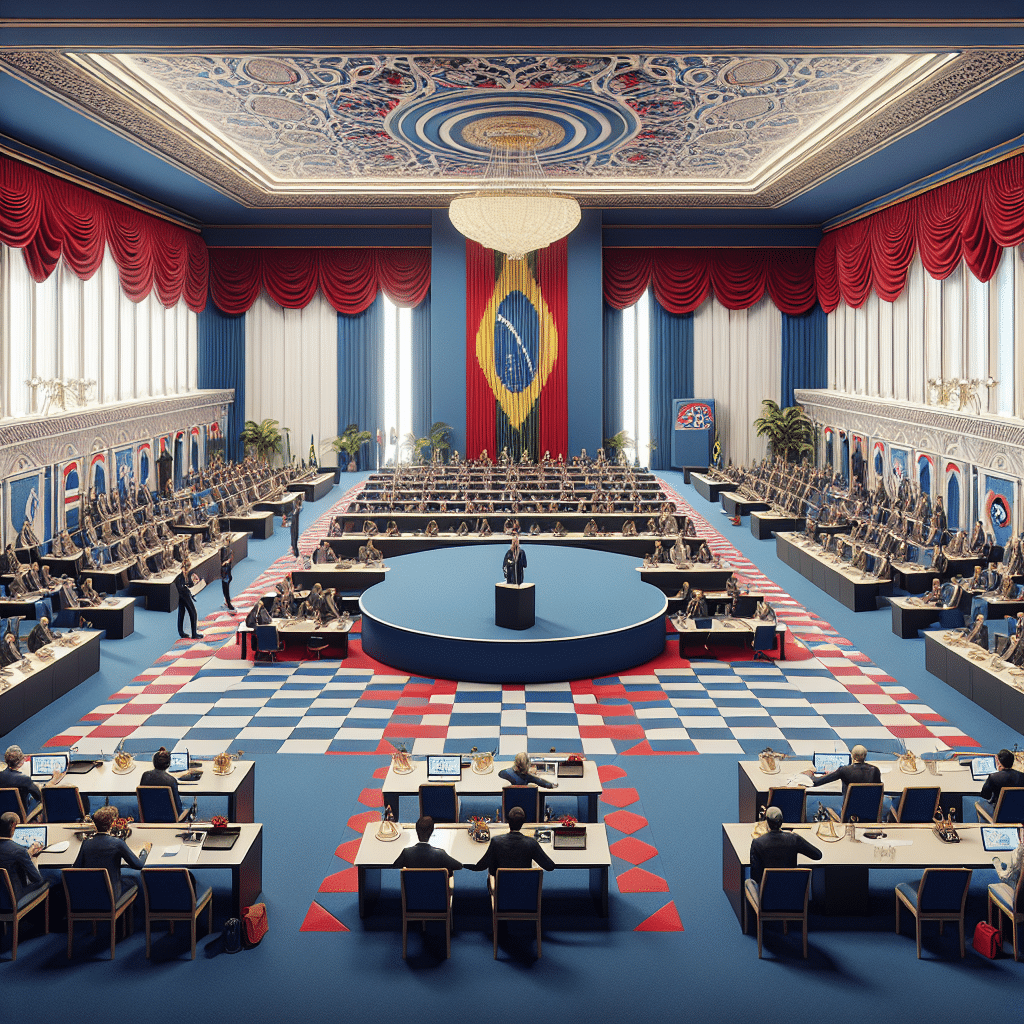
<point x="858" y="771"/>
<point x="1005" y="775"/>
<point x="520" y="775"/>
<point x="777" y="849"/>
<point x="19" y="861"/>
<point x="512" y="849"/>
<point x="422" y="854"/>
<point x="1009" y="872"/>
<point x="12" y="777"/>
<point x="106" y="851"/>
<point x="158" y="775"/>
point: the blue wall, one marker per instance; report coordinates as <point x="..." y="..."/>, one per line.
<point x="448" y="328"/>
<point x="586" y="332"/>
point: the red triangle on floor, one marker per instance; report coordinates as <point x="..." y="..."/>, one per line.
<point x="318" y="920"/>
<point x="641" y="748"/>
<point x="636" y="851"/>
<point x="347" y="851"/>
<point x="664" y="920"/>
<point x="639" y="880"/>
<point x="621" y="797"/>
<point x="371" y="798"/>
<point x="381" y="772"/>
<point x="360" y="821"/>
<point x="607" y="772"/>
<point x="341" y="881"/>
<point x="625" y="821"/>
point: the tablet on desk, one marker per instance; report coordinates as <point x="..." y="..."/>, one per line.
<point x="444" y="768"/>
<point x="26" y="835"/>
<point x="999" y="838"/>
<point x="44" y="765"/>
<point x="982" y="767"/>
<point x="826" y="764"/>
<point x="179" y="761"/>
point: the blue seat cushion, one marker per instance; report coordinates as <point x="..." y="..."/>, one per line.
<point x="1002" y="896"/>
<point x="30" y="896"/>
<point x="128" y="890"/>
<point x="753" y="891"/>
<point x="910" y="891"/>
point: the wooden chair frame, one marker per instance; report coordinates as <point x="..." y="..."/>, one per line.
<point x="171" y="916"/>
<point x="896" y="813"/>
<point x="126" y="910"/>
<point x="854" y="788"/>
<point x="1014" y="918"/>
<point x="17" y="913"/>
<point x="789" y="789"/>
<point x="931" y="915"/>
<point x="785" y="916"/>
<point x="56" y="789"/>
<point x="518" y="791"/>
<point x="494" y="890"/>
<point x="26" y="817"/>
<point x="139" y="790"/>
<point x="428" y="915"/>
<point x="995" y="818"/>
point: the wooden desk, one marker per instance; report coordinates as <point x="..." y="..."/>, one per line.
<point x="312" y="488"/>
<point x="586" y="789"/>
<point x="909" y="616"/>
<point x="725" y="630"/>
<point x="116" y="616"/>
<point x="840" y="884"/>
<point x="709" y="488"/>
<point x="374" y="856"/>
<point x="239" y="788"/>
<point x="358" y="578"/>
<point x="244" y="860"/>
<point x="303" y="628"/>
<point x="956" y="784"/>
<point x="259" y="524"/>
<point x="763" y="525"/>
<point x="703" y="576"/>
<point x="736" y="504"/>
<point x="857" y="590"/>
<point x="47" y="679"/>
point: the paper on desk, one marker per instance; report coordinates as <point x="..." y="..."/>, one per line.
<point x="884" y="842"/>
<point x="798" y="780"/>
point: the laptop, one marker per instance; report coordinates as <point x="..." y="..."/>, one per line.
<point x="982" y="767"/>
<point x="569" y="838"/>
<point x="44" y="765"/>
<point x="179" y="761"/>
<point x="999" y="838"/>
<point x="570" y="769"/>
<point x="444" y="768"/>
<point x="223" y="839"/>
<point x="26" y="835"/>
<point x="825" y="764"/>
<point x="544" y="766"/>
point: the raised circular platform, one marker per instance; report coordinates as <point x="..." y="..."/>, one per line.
<point x="434" y="616"/>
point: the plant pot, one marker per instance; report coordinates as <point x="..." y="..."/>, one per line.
<point x="351" y="465"/>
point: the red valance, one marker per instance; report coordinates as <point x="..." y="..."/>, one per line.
<point x="50" y="218"/>
<point x="684" y="278"/>
<point x="349" y="278"/>
<point x="971" y="219"/>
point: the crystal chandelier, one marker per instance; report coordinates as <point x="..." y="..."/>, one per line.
<point x="515" y="212"/>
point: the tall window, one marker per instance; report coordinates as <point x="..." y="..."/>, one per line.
<point x="636" y="373"/>
<point x="397" y="377"/>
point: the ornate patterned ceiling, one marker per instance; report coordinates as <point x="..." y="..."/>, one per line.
<point x="741" y="129"/>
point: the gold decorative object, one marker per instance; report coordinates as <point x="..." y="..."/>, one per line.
<point x="64" y="393"/>
<point x="768" y="761"/>
<point x="224" y="764"/>
<point x="124" y="762"/>
<point x="483" y="764"/>
<point x="909" y="764"/>
<point x="479" y="830"/>
<point x="400" y="763"/>
<point x="515" y="212"/>
<point x="388" y="831"/>
<point x="826" y="831"/>
<point x="965" y="391"/>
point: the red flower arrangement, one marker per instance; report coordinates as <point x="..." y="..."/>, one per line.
<point x="219" y="821"/>
<point x="568" y="821"/>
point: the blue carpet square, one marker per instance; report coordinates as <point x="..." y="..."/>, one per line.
<point x="709" y="734"/>
<point x="474" y="720"/>
<point x="547" y="718"/>
<point x="172" y="721"/>
<point x="205" y="733"/>
<point x="304" y="733"/>
<point x="289" y="702"/>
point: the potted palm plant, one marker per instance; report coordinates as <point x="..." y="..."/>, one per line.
<point x="789" y="431"/>
<point x="264" y="439"/>
<point x="619" y="443"/>
<point x="349" y="442"/>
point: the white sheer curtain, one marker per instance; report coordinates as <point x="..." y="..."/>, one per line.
<point x="959" y="327"/>
<point x="291" y="369"/>
<point x="737" y="360"/>
<point x="69" y="329"/>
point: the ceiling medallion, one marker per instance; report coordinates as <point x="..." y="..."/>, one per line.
<point x="515" y="212"/>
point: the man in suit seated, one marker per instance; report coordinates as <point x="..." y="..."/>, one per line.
<point x="777" y="849"/>
<point x="21" y="864"/>
<point x="858" y="771"/>
<point x="1006" y="775"/>
<point x="513" y="849"/>
<point x="422" y="854"/>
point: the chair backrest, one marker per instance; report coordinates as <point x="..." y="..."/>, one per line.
<point x="943" y="889"/>
<point x="10" y="800"/>
<point x="440" y="801"/>
<point x="62" y="803"/>
<point x="7" y="901"/>
<point x="424" y="890"/>
<point x="88" y="890"/>
<point x="265" y="637"/>
<point x="156" y="805"/>
<point x="764" y="637"/>
<point x="1010" y="806"/>
<point x="527" y="797"/>
<point x="791" y="800"/>
<point x="168" y="889"/>
<point x="918" y="804"/>
<point x="863" y="801"/>
<point x="784" y="889"/>
<point x="517" y="890"/>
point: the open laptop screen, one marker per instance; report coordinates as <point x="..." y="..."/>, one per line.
<point x="444" y="767"/>
<point x="999" y="838"/>
<point x="825" y="764"/>
<point x="26" y="835"/>
<point x="982" y="767"/>
<point x="179" y="761"/>
<point x="47" y="764"/>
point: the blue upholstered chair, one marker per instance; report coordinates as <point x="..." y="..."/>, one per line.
<point x="427" y="896"/>
<point x="917" y="805"/>
<point x="1008" y="902"/>
<point x="863" y="801"/>
<point x="10" y="800"/>
<point x="515" y="896"/>
<point x="12" y="911"/>
<point x="265" y="640"/>
<point x="764" y="640"/>
<point x="1009" y="809"/>
<point x="171" y="895"/>
<point x="156" y="805"/>
<point x="90" y="897"/>
<point x="62" y="803"/>
<point x="527" y="797"/>
<point x="791" y="800"/>
<point x="940" y="896"/>
<point x="440" y="801"/>
<point x="782" y="896"/>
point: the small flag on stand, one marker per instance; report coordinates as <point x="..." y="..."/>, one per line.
<point x="312" y="451"/>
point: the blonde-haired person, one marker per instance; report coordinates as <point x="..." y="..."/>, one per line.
<point x="520" y="775"/>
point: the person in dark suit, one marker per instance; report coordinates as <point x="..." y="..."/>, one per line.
<point x="13" y="778"/>
<point x="293" y="522"/>
<point x="106" y="851"/>
<point x="226" y="561"/>
<point x="186" y="602"/>
<point x="777" y="849"/>
<point x="859" y="771"/>
<point x="158" y="775"/>
<point x="1006" y="775"/>
<point x="514" y="563"/>
<point x="422" y="854"/>
<point x="513" y="849"/>
<point x="20" y="862"/>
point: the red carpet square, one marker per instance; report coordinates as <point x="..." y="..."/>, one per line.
<point x="318" y="920"/>
<point x="360" y="821"/>
<point x="341" y="881"/>
<point x="625" y="821"/>
<point x="608" y="772"/>
<point x="347" y="851"/>
<point x="634" y="850"/>
<point x="620" y="797"/>
<point x="381" y="772"/>
<point x="371" y="798"/>
<point x="664" y="920"/>
<point x="638" y="880"/>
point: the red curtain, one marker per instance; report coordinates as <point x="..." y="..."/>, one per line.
<point x="49" y="218"/>
<point x="683" y="278"/>
<point x="348" y="278"/>
<point x="971" y="219"/>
